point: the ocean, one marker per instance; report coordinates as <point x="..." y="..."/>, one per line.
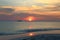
<point x="6" y="26"/>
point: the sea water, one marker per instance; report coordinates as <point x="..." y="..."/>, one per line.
<point x="14" y="26"/>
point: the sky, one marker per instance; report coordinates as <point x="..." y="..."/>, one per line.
<point x="41" y="9"/>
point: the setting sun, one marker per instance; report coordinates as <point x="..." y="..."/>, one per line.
<point x="30" y="18"/>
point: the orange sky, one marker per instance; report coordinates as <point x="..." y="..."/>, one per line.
<point x="34" y="10"/>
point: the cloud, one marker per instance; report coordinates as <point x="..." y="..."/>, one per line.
<point x="56" y="8"/>
<point x="45" y="13"/>
<point x="16" y="2"/>
<point x="7" y="17"/>
<point x="47" y="1"/>
<point x="21" y="15"/>
<point x="6" y="10"/>
<point x="50" y="8"/>
<point x="39" y="17"/>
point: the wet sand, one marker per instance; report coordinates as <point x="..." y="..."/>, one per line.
<point x="7" y="37"/>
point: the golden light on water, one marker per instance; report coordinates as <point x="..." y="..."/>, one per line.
<point x="31" y="34"/>
<point x="30" y="27"/>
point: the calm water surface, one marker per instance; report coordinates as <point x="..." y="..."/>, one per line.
<point x="14" y="26"/>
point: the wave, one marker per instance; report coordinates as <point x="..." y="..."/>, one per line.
<point x="26" y="31"/>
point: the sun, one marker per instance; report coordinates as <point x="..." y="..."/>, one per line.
<point x="30" y="18"/>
